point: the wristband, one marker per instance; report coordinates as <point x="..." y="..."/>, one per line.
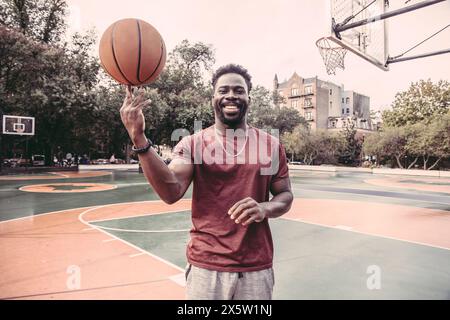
<point x="144" y="149"/>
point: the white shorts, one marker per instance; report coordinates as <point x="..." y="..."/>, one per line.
<point x="203" y="284"/>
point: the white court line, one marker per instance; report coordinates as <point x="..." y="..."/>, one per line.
<point x="343" y="227"/>
<point x="90" y="208"/>
<point x="379" y="196"/>
<point x="367" y="234"/>
<point x="60" y="174"/>
<point x="109" y="240"/>
<point x="132" y="184"/>
<point x="136" y="255"/>
<point x="80" y="208"/>
<point x="179" y="279"/>
<point x="80" y="217"/>
<point x="144" y="230"/>
<point x="139" y="215"/>
<point x="44" y="214"/>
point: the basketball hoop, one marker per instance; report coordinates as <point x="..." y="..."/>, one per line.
<point x="19" y="127"/>
<point x="332" y="54"/>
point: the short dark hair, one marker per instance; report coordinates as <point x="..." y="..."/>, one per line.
<point x="232" y="68"/>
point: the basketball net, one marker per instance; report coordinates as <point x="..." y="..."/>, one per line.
<point x="332" y="54"/>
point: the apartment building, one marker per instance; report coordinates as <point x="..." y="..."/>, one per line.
<point x="323" y="104"/>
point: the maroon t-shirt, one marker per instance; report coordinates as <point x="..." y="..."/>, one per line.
<point x="226" y="170"/>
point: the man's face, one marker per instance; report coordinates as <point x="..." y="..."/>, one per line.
<point x="231" y="100"/>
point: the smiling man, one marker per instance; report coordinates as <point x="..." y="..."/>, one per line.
<point x="230" y="253"/>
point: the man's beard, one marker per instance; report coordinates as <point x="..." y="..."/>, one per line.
<point x="227" y="120"/>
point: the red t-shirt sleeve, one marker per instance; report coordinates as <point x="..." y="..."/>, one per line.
<point x="183" y="150"/>
<point x="283" y="170"/>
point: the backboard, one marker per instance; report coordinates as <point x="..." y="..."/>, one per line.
<point x="369" y="41"/>
<point x="18" y="125"/>
<point x="360" y="26"/>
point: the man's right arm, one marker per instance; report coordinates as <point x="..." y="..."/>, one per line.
<point x="169" y="182"/>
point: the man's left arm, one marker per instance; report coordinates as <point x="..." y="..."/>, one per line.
<point x="247" y="210"/>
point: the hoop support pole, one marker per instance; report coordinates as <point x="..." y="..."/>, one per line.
<point x="339" y="28"/>
<point x="434" y="53"/>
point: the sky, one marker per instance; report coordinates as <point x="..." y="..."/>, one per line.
<point x="271" y="37"/>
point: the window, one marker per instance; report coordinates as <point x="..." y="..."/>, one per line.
<point x="308" y="115"/>
<point x="308" y="103"/>
<point x="347" y="100"/>
<point x="348" y="110"/>
<point x="294" y="103"/>
<point x="331" y="92"/>
<point x="308" y="89"/>
<point x="343" y="110"/>
<point x="294" y="92"/>
<point x="331" y="104"/>
<point x="342" y="102"/>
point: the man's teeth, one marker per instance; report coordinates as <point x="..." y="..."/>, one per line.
<point x="231" y="108"/>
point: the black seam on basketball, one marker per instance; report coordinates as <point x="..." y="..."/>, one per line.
<point x="114" y="55"/>
<point x="159" y="62"/>
<point x="139" y="54"/>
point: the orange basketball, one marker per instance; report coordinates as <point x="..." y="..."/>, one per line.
<point x="132" y="52"/>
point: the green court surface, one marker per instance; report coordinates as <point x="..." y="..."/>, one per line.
<point x="313" y="259"/>
<point x="314" y="262"/>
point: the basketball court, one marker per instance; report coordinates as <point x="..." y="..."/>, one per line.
<point x="104" y="234"/>
<point x="107" y="236"/>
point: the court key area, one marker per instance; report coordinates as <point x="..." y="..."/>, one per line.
<point x="106" y="235"/>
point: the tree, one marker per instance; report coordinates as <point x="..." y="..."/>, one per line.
<point x="438" y="134"/>
<point x="299" y="143"/>
<point x="391" y="142"/>
<point x="421" y="102"/>
<point x="318" y="146"/>
<point x="182" y="89"/>
<point x="41" y="20"/>
<point x="372" y="145"/>
<point x="54" y="84"/>
<point x="330" y="146"/>
<point x="264" y="112"/>
<point x="419" y="142"/>
<point x="352" y="147"/>
<point x="428" y="141"/>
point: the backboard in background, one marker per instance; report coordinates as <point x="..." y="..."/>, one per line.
<point x="360" y="26"/>
<point x="18" y="125"/>
<point x="369" y="41"/>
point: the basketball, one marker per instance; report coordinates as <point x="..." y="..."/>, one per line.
<point x="132" y="52"/>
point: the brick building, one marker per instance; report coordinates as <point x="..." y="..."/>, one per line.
<point x="323" y="104"/>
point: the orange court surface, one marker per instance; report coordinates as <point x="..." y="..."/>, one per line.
<point x="106" y="235"/>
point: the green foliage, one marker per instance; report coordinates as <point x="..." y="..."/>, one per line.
<point x="392" y="143"/>
<point x="430" y="140"/>
<point x="54" y="84"/>
<point x="423" y="101"/>
<point x="352" y="148"/>
<point x="264" y="112"/>
<point x="41" y="20"/>
<point x="313" y="147"/>
<point x="183" y="94"/>
<point x="76" y="105"/>
<point x="416" y="129"/>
